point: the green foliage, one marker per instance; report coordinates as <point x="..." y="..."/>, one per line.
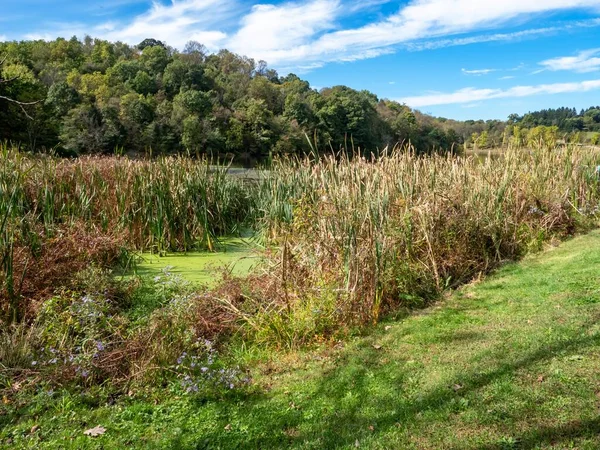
<point x="222" y="104"/>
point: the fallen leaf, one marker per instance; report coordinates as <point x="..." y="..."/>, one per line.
<point x="377" y="346"/>
<point x="34" y="429"/>
<point x="371" y="427"/>
<point x="292" y="432"/>
<point x="388" y="328"/>
<point x="457" y="387"/>
<point x="540" y="379"/>
<point x="228" y="427"/>
<point x="95" y="432"/>
<point x="5" y="400"/>
<point x="357" y="444"/>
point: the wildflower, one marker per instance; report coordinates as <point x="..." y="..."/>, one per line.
<point x="99" y="346"/>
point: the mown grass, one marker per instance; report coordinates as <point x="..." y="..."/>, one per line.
<point x="510" y="362"/>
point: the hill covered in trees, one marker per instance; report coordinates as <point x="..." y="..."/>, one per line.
<point x="100" y="97"/>
<point x="566" y="119"/>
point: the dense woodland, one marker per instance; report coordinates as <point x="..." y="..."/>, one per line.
<point x="102" y="97"/>
<point x="98" y="97"/>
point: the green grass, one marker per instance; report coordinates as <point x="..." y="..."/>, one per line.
<point x="511" y="362"/>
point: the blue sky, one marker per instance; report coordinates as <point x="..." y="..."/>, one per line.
<point x="455" y="58"/>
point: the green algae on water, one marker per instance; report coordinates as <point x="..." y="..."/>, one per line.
<point x="234" y="255"/>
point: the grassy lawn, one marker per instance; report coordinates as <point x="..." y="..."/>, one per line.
<point x="511" y="362"/>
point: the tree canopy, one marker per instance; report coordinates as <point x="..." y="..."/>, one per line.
<point x="100" y="96"/>
<point x="94" y="96"/>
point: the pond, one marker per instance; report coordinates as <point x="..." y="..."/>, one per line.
<point x="237" y="255"/>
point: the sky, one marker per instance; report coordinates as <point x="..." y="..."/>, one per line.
<point x="461" y="59"/>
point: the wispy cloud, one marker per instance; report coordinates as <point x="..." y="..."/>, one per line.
<point x="478" y="72"/>
<point x="501" y="37"/>
<point x="507" y="77"/>
<point x="179" y="22"/>
<point x="431" y="19"/>
<point x="480" y="39"/>
<point x="472" y="95"/>
<point x="310" y="33"/>
<point x="585" y="61"/>
<point x="274" y="32"/>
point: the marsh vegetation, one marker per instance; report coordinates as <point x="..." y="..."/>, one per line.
<point x="343" y="242"/>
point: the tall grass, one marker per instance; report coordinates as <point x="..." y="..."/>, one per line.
<point x="87" y="207"/>
<point x="168" y="204"/>
<point x="354" y="239"/>
<point x="360" y="237"/>
<point x="357" y="237"/>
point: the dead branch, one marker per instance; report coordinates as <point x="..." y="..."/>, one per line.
<point x="12" y="100"/>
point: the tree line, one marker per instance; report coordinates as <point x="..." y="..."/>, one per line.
<point x="98" y="97"/>
<point x="92" y="96"/>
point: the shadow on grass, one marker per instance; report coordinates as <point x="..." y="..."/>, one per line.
<point x="556" y="435"/>
<point x="342" y="422"/>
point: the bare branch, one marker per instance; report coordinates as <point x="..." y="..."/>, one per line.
<point x="9" y="80"/>
<point x="11" y="100"/>
<point x="20" y="104"/>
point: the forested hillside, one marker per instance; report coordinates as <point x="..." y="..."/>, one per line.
<point x="566" y="119"/>
<point x="100" y="97"/>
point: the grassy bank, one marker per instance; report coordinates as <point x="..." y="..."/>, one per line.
<point x="510" y="362"/>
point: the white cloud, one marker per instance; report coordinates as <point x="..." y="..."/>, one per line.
<point x="472" y="95"/>
<point x="442" y="43"/>
<point x="304" y="34"/>
<point x="422" y="19"/>
<point x="585" y="61"/>
<point x="273" y="32"/>
<point x="3" y="38"/>
<point x="179" y="22"/>
<point x="508" y="77"/>
<point x="478" y="72"/>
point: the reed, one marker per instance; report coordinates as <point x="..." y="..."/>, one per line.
<point x="364" y="237"/>
<point x="358" y="237"/>
<point x="169" y="204"/>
